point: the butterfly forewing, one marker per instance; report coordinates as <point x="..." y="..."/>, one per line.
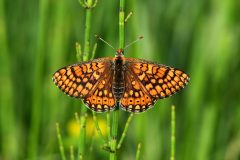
<point x="155" y="82"/>
<point x="83" y="80"/>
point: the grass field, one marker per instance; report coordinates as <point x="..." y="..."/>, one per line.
<point x="200" y="37"/>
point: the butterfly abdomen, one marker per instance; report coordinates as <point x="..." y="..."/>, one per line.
<point x="118" y="78"/>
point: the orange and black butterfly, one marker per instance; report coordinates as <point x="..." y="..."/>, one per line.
<point x="134" y="84"/>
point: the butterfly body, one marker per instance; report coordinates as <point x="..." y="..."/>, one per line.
<point x="134" y="84"/>
<point x="118" y="76"/>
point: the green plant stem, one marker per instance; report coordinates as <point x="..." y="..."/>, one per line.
<point x="87" y="32"/>
<point x="138" y="151"/>
<point x="63" y="157"/>
<point x="98" y="128"/>
<point x="173" y="133"/>
<point x="78" y="52"/>
<point x="93" y="138"/>
<point x="71" y="153"/>
<point x="125" y="131"/>
<point x="108" y="127"/>
<point x="114" y="131"/>
<point x="128" y="16"/>
<point x="94" y="50"/>
<point x="81" y="149"/>
<point x="121" y="24"/>
<point x="115" y="113"/>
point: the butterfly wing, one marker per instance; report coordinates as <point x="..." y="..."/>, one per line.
<point x="101" y="98"/>
<point x="135" y="97"/>
<point x="83" y="79"/>
<point x="153" y="80"/>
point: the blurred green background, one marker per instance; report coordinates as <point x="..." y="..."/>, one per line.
<point x="200" y="37"/>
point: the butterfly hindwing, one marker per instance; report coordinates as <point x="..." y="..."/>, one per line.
<point x="135" y="97"/>
<point x="101" y="98"/>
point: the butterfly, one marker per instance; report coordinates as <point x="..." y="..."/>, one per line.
<point x="133" y="84"/>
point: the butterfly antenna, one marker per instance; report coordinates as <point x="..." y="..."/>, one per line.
<point x="98" y="37"/>
<point x="139" y="38"/>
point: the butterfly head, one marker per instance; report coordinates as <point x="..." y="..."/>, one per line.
<point x="119" y="52"/>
